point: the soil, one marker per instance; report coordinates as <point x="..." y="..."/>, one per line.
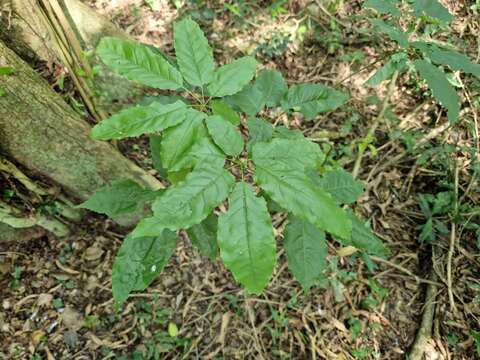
<point x="56" y="300"/>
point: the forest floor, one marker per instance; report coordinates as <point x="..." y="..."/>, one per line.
<point x="58" y="299"/>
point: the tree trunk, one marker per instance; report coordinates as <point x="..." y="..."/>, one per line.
<point x="30" y="33"/>
<point x="41" y="132"/>
<point x="27" y="34"/>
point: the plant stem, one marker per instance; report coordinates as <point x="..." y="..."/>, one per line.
<point x="376" y="123"/>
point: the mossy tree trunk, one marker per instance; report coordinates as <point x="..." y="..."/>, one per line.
<point x="41" y="132"/>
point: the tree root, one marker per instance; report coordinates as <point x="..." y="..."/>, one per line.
<point x="424" y="333"/>
<point x="12" y="216"/>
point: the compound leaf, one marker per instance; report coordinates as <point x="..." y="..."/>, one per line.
<point x="139" y="63"/>
<point x="231" y="78"/>
<point x="306" y="250"/>
<point x="249" y="100"/>
<point x="311" y="99"/>
<point x="204" y="236"/>
<point x="272" y="86"/>
<point x="441" y="88"/>
<point x="138" y="120"/>
<point x="225" y="135"/>
<point x="189" y="202"/>
<point x="119" y="198"/>
<point x="342" y="186"/>
<point x="246" y="239"/>
<point x="433" y="9"/>
<point x="221" y="108"/>
<point x="194" y="55"/>
<point x="139" y="261"/>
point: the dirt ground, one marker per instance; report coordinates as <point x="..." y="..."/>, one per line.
<point x="56" y="299"/>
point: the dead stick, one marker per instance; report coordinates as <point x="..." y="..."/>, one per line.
<point x="424" y="333"/>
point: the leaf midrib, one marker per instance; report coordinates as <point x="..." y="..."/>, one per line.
<point x="247" y="229"/>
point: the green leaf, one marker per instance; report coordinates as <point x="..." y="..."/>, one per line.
<point x="393" y="32"/>
<point x="6" y="70"/>
<point x="433" y="9"/>
<point x="162" y="99"/>
<point x="120" y="198"/>
<point x="178" y="141"/>
<point x="293" y="190"/>
<point x="194" y="55"/>
<point x="249" y="100"/>
<point x="138" y="262"/>
<point x="202" y="150"/>
<point x="2" y="92"/>
<point x="221" y="108"/>
<point x="176" y="177"/>
<point x="225" y="135"/>
<point x="150" y="226"/>
<point x="204" y="236"/>
<point x="193" y="200"/>
<point x="284" y="133"/>
<point x="172" y="329"/>
<point x="139" y="63"/>
<point x="246" y="239"/>
<point x="454" y="59"/>
<point x="363" y="238"/>
<point x="155" y="142"/>
<point x="272" y="86"/>
<point x="441" y="88"/>
<point x="311" y="99"/>
<point x="138" y="120"/>
<point x="299" y="195"/>
<point x="383" y="6"/>
<point x="342" y="186"/>
<point x="306" y="250"/>
<point x="259" y="130"/>
<point x="295" y="154"/>
<point x="231" y="78"/>
<point x="398" y="62"/>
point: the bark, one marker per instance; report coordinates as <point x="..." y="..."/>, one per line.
<point x="41" y="132"/>
<point x="27" y="34"/>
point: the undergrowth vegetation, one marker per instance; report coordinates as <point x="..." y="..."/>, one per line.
<point x="212" y="144"/>
<point x="331" y="150"/>
<point x="212" y="147"/>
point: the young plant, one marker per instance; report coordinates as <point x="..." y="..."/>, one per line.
<point x="210" y="152"/>
<point x="419" y="52"/>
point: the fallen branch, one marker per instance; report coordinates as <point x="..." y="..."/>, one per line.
<point x="424" y="333"/>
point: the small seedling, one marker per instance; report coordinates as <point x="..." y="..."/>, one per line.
<point x="212" y="146"/>
<point x="16" y="278"/>
<point x="417" y="52"/>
